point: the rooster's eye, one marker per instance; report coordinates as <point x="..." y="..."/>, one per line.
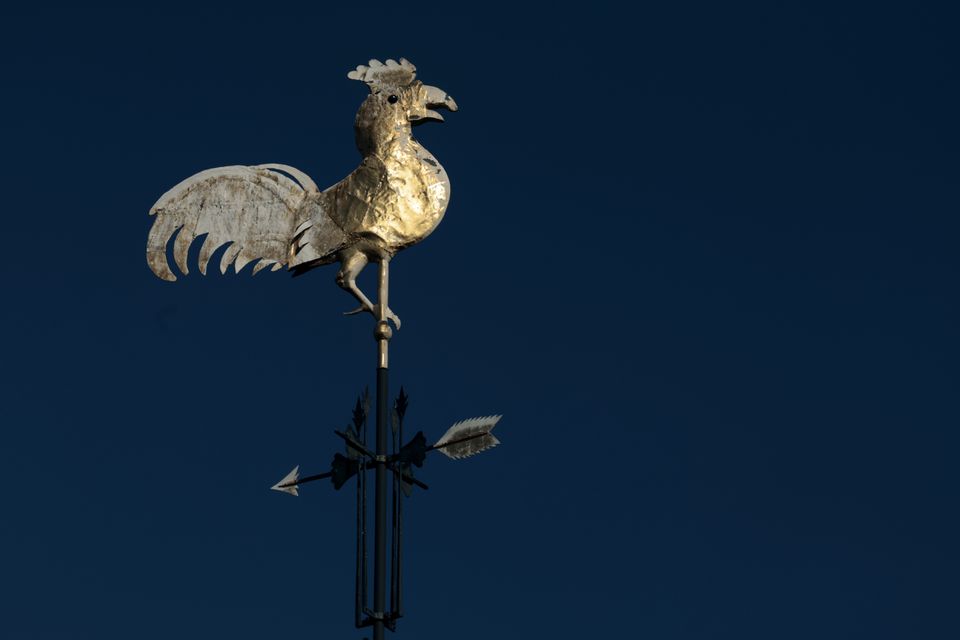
<point x="392" y="99"/>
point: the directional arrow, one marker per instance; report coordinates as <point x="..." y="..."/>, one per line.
<point x="342" y="469"/>
<point x="292" y="480"/>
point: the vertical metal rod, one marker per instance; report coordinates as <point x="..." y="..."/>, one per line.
<point x="366" y="564"/>
<point x="382" y="335"/>
<point x="399" y="569"/>
<point x="394" y="537"/>
<point x="361" y="595"/>
<point x="361" y="570"/>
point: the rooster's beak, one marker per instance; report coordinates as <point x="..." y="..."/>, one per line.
<point x="435" y="99"/>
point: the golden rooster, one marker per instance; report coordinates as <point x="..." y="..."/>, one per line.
<point x="276" y="214"/>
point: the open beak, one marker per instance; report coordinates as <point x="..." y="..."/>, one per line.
<point x="435" y="99"/>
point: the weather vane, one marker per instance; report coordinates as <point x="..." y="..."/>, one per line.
<point x="274" y="215"/>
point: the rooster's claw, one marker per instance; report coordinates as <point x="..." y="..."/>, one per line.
<point x="375" y="311"/>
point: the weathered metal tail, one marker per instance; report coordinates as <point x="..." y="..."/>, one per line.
<point x="254" y="210"/>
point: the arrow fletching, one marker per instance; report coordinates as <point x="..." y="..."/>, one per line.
<point x="289" y="482"/>
<point x="468" y="437"/>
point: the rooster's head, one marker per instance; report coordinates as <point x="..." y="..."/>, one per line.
<point x="397" y="102"/>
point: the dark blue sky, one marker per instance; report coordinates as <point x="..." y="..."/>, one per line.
<point x="701" y="257"/>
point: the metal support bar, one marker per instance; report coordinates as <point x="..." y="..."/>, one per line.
<point x="395" y="531"/>
<point x="356" y="446"/>
<point x="360" y="589"/>
<point x="382" y="334"/>
<point x="398" y="608"/>
<point x="360" y="596"/>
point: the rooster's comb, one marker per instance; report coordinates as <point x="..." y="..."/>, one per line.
<point x="391" y="72"/>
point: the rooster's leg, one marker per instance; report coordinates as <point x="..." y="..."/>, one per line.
<point x="350" y="268"/>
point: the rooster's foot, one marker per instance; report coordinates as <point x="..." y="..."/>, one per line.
<point x="375" y="310"/>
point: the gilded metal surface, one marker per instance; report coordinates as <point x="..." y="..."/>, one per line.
<point x="382" y="333"/>
<point x="276" y="215"/>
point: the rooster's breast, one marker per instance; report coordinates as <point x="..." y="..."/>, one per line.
<point x="398" y="200"/>
<point x="419" y="195"/>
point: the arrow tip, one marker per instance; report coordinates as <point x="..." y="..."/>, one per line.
<point x="289" y="482"/>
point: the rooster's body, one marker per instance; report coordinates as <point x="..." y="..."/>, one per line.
<point x="276" y="214"/>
